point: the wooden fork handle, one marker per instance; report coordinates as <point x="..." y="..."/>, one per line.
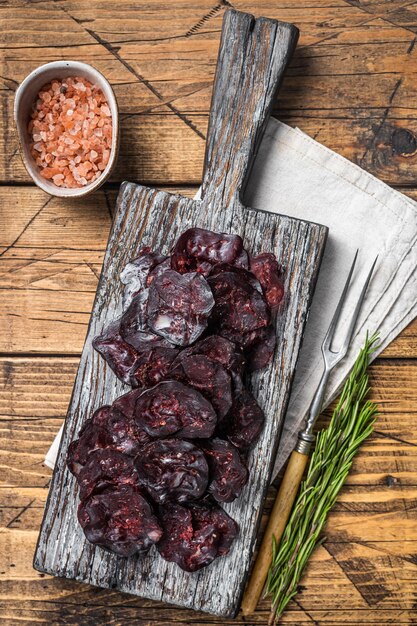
<point x="276" y="525"/>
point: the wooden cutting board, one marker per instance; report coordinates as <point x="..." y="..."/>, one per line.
<point x="252" y="59"/>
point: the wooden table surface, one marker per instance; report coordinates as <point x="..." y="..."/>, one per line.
<point x="352" y="85"/>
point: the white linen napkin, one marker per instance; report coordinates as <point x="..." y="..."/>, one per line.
<point x="295" y="175"/>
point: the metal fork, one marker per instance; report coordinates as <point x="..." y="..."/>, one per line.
<point x="331" y="358"/>
<point x="299" y="457"/>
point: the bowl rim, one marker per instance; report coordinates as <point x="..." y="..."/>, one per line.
<point x="95" y="76"/>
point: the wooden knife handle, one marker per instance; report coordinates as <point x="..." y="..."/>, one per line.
<point x="276" y="525"/>
<point x="253" y="56"/>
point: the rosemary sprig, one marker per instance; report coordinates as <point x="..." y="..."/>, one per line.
<point x="351" y="423"/>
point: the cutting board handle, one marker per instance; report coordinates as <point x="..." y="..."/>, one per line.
<point x="253" y="56"/>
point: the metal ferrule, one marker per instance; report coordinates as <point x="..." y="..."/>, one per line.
<point x="304" y="443"/>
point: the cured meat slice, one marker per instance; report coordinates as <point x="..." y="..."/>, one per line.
<point x="108" y="428"/>
<point x="171" y="408"/>
<point x="126" y="433"/>
<point x="103" y="468"/>
<point x="208" y="377"/>
<point x="224" y="525"/>
<point x="228" y="473"/>
<point x="245" y="421"/>
<point x="119" y="519"/>
<point x="220" y="350"/>
<point x="152" y="366"/>
<point x="158" y="270"/>
<point x="260" y="347"/>
<point x="194" y="535"/>
<point x="267" y="270"/>
<point x="90" y="438"/>
<point x="172" y="470"/>
<point x="134" y="328"/>
<point x="119" y="355"/>
<point x="126" y="403"/>
<point x="242" y="260"/>
<point x="239" y="307"/>
<point x="134" y="275"/>
<point x="244" y="274"/>
<point x="179" y="306"/>
<point x="197" y="250"/>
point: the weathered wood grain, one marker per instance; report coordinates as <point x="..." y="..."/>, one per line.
<point x="62" y="549"/>
<point x="366" y="566"/>
<point x="252" y="57"/>
<point x="51" y="255"/>
<point x="341" y="87"/>
<point x="35" y="392"/>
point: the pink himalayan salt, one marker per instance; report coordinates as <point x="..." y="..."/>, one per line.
<point x="71" y="132"/>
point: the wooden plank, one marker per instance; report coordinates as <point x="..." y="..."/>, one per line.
<point x="340" y="87"/>
<point x="35" y="392"/>
<point x="337" y="39"/>
<point x="371" y="567"/>
<point x="389" y="156"/>
<point x="51" y="252"/>
<point x="369" y="557"/>
<point x="67" y="615"/>
<point x="252" y="57"/>
<point x="360" y="575"/>
<point x="367" y="563"/>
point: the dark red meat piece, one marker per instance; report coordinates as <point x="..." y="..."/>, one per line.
<point x="245" y="421"/>
<point x="126" y="403"/>
<point x="244" y="274"/>
<point x="100" y="416"/>
<point x="242" y="260"/>
<point x="135" y="273"/>
<point x="179" y="306"/>
<point x="268" y="272"/>
<point x="208" y="377"/>
<point x="225" y="526"/>
<point x="260" y="347"/>
<point x="158" y="270"/>
<point x="103" y="468"/>
<point x="239" y="308"/>
<point x="228" y="473"/>
<point x="119" y="519"/>
<point x="198" y="250"/>
<point x="171" y="408"/>
<point x="89" y="439"/>
<point x="152" y="366"/>
<point x="134" y="328"/>
<point x="108" y="428"/>
<point x="126" y="433"/>
<point x="194" y="535"/>
<point x="172" y="470"/>
<point x="224" y="352"/>
<point x="119" y="355"/>
<point x="220" y="350"/>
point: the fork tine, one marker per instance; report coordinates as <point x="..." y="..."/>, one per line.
<point x="355" y="314"/>
<point x="331" y="330"/>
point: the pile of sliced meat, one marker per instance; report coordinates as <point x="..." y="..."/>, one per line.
<point x="154" y="467"/>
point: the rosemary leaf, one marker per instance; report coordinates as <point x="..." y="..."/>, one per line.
<point x="351" y="423"/>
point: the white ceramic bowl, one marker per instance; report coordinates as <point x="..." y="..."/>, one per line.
<point x="26" y="95"/>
